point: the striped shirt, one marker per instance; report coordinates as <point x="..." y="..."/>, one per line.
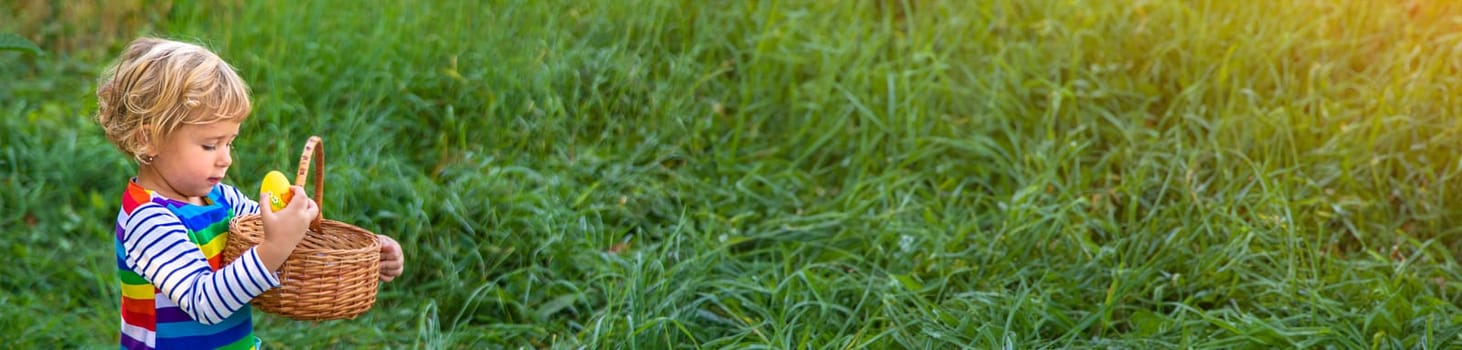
<point x="175" y="294"/>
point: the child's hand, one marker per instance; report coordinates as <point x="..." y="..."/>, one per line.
<point x="392" y="260"/>
<point x="285" y="229"/>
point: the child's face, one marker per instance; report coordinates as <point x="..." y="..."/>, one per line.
<point x="195" y="158"/>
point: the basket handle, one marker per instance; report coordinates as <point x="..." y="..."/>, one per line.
<point x="314" y="149"/>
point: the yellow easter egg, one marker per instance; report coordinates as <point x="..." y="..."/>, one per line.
<point x="278" y="187"/>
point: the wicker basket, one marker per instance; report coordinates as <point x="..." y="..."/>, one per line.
<point x="333" y="272"/>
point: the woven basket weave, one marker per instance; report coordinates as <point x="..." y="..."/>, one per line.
<point x="333" y="272"/>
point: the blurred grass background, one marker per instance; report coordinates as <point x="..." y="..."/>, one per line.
<point x="800" y="174"/>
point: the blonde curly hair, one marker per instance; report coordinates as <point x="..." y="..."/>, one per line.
<point x="159" y="85"/>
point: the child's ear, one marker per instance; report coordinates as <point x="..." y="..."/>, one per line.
<point x="145" y="145"/>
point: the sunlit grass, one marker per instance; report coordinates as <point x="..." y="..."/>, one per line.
<point x="810" y="174"/>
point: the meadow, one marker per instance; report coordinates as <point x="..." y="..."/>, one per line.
<point x="799" y="174"/>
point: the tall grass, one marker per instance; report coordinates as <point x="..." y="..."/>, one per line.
<point x="809" y="174"/>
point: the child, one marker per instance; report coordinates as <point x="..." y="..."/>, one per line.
<point x="176" y="108"/>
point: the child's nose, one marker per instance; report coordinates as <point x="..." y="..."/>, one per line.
<point x="225" y="158"/>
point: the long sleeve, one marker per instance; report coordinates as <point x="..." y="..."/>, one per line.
<point x="156" y="246"/>
<point x="240" y="203"/>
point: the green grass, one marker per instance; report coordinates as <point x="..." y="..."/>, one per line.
<point x="808" y="174"/>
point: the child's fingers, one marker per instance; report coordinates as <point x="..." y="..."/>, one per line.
<point x="390" y="249"/>
<point x="264" y="208"/>
<point x="390" y="269"/>
<point x="311" y="209"/>
<point x="301" y="201"/>
<point x="298" y="193"/>
<point x="392" y="259"/>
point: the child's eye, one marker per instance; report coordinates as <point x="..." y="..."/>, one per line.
<point x="209" y="147"/>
